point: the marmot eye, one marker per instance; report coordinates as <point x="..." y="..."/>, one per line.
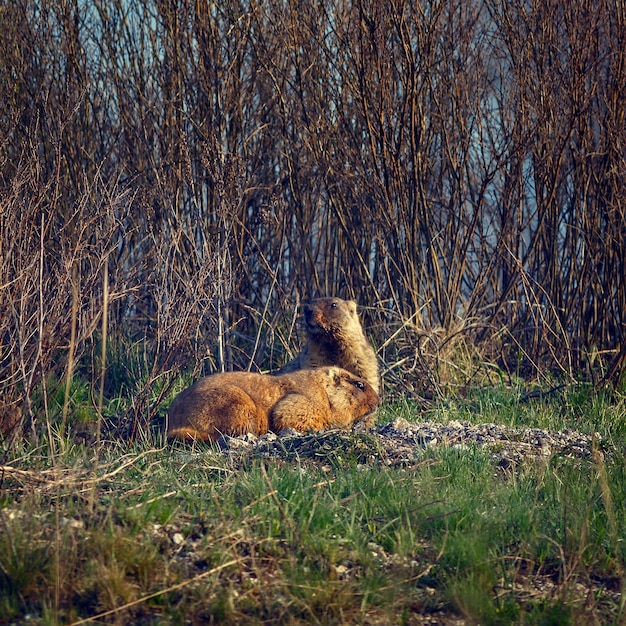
<point x="333" y="305"/>
<point x="359" y="385"/>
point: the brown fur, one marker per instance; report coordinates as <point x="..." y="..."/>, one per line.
<point x="236" y="403"/>
<point x="335" y="337"/>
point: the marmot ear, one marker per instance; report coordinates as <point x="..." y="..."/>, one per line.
<point x="352" y="306"/>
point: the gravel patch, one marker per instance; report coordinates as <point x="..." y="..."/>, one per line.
<point x="403" y="443"/>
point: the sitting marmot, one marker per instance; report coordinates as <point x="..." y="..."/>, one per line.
<point x="335" y="337"/>
<point x="235" y="403"/>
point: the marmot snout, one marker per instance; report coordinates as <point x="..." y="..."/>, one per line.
<point x="329" y="316"/>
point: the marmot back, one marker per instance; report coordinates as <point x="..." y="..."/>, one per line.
<point x="335" y="337"/>
<point x="236" y="403"/>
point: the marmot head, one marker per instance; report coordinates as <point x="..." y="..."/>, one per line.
<point x="351" y="398"/>
<point x="330" y="316"/>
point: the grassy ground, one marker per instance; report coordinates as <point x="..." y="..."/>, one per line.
<point x="158" y="534"/>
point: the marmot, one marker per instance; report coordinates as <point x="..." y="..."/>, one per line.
<point x="335" y="337"/>
<point x="235" y="403"/>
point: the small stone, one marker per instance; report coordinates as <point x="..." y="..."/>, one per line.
<point x="401" y="424"/>
<point x="340" y="570"/>
<point x="288" y="432"/>
<point x="236" y="443"/>
<point x="72" y="523"/>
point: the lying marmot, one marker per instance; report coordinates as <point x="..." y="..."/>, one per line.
<point x="236" y="403"/>
<point x="335" y="337"/>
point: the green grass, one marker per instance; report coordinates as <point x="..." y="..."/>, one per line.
<point x="168" y="534"/>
